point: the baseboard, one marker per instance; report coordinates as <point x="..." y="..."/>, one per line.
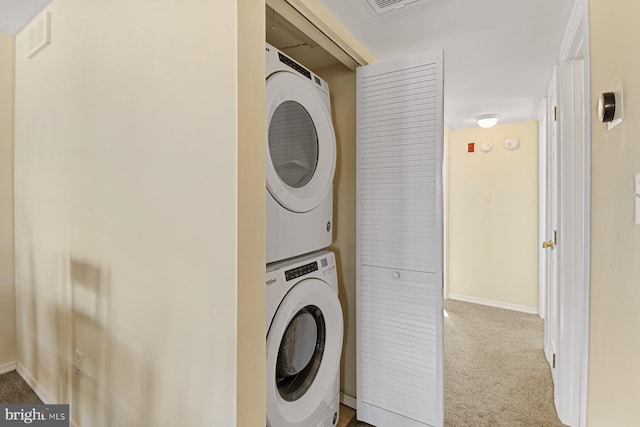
<point x="349" y="401"/>
<point x="8" y="367"/>
<point x="37" y="388"/>
<point x="497" y="304"/>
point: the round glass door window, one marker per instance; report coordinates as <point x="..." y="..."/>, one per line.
<point x="293" y="144"/>
<point x="300" y="353"/>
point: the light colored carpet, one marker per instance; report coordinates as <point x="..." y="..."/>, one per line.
<point x="495" y="373"/>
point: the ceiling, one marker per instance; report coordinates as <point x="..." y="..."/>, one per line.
<point x="15" y="14"/>
<point x="499" y="54"/>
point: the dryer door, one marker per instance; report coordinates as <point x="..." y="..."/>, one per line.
<point x="304" y="344"/>
<point x="301" y="145"/>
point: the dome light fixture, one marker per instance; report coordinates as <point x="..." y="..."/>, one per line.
<point x="487" y="120"/>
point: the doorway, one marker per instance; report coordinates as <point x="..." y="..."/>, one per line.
<point x="344" y="239"/>
<point x="492" y="263"/>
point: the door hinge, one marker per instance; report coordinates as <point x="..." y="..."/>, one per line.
<point x="555" y="113"/>
<point x="554" y="361"/>
<point x="555" y="237"/>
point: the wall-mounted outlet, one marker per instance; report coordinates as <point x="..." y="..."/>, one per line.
<point x="78" y="361"/>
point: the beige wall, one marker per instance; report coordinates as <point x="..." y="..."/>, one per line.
<point x="342" y="84"/>
<point x="492" y="216"/>
<point x="7" y="288"/>
<point x="128" y="207"/>
<point x="614" y="377"/>
<point x="251" y="410"/>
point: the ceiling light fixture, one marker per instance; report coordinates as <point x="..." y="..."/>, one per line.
<point x="487" y="120"/>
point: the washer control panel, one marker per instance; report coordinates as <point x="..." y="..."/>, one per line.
<point x="302" y="270"/>
<point x="325" y="265"/>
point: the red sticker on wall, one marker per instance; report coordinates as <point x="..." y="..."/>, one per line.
<point x="471" y="147"/>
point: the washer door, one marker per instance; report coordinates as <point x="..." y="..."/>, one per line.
<point x="301" y="144"/>
<point x="304" y="344"/>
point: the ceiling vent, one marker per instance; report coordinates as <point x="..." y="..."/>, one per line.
<point x="383" y="6"/>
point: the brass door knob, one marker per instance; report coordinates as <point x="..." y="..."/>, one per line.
<point x="547" y="245"/>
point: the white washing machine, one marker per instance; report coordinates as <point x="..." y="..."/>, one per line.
<point x="301" y="159"/>
<point x="304" y="342"/>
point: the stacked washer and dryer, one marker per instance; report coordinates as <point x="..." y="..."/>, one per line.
<point x="303" y="313"/>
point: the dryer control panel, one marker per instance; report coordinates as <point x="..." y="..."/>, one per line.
<point x="274" y="55"/>
<point x="293" y="64"/>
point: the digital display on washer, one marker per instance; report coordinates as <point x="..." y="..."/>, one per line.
<point x="300" y="271"/>
<point x="299" y="68"/>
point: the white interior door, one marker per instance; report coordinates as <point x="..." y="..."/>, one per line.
<point x="550" y="235"/>
<point x="399" y="241"/>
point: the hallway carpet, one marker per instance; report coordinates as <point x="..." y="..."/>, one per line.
<point x="14" y="390"/>
<point x="495" y="372"/>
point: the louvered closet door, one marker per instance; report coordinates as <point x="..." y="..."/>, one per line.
<point x="399" y="241"/>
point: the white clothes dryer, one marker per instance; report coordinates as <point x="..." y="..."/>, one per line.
<point x="304" y="342"/>
<point x="301" y="159"/>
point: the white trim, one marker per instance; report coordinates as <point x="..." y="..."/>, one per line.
<point x="551" y="162"/>
<point x="574" y="251"/>
<point x="496" y="304"/>
<point x="571" y="40"/>
<point x="586" y="205"/>
<point x="543" y="142"/>
<point x="43" y="394"/>
<point x="570" y="242"/>
<point x="8" y="367"/>
<point x="348" y="400"/>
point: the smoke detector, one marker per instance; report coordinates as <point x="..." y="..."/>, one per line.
<point x="383" y="6"/>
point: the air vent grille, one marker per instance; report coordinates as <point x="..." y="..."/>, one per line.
<point x="384" y="6"/>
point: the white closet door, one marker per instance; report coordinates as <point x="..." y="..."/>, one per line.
<point x="399" y="241"/>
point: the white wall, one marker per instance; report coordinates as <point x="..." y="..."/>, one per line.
<point x="614" y="377"/>
<point x="127" y="212"/>
<point x="8" y="348"/>
<point x="492" y="217"/>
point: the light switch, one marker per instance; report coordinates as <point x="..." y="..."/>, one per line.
<point x="636" y="196"/>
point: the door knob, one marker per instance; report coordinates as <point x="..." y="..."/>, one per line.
<point x="547" y="245"/>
